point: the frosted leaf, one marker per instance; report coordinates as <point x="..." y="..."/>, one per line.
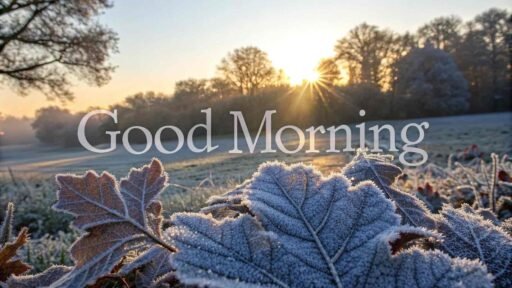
<point x="486" y="213"/>
<point x="310" y="231"/>
<point x="371" y="166"/>
<point x="10" y="264"/>
<point x="235" y="253"/>
<point x="39" y="280"/>
<point x="118" y="219"/>
<point x="139" y="190"/>
<point x="156" y="273"/>
<point x="228" y="204"/>
<point x="507" y="226"/>
<point x="375" y="168"/>
<point x="153" y="267"/>
<point x="234" y="196"/>
<point x="468" y="235"/>
<point x="6" y="228"/>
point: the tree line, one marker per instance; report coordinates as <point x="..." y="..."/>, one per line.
<point x="447" y="67"/>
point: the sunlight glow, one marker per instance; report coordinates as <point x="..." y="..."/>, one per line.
<point x="313" y="76"/>
<point x="297" y="77"/>
<point x="299" y="53"/>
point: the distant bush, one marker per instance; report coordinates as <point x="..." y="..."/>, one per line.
<point x="57" y="126"/>
<point x="430" y="84"/>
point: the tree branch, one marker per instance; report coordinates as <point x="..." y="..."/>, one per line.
<point x="15" y="6"/>
<point x="7" y="39"/>
<point x="30" y="67"/>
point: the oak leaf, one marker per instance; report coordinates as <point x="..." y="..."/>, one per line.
<point x="9" y="263"/>
<point x="117" y="218"/>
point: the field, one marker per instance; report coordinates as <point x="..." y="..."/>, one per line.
<point x="446" y="135"/>
<point x="27" y="173"/>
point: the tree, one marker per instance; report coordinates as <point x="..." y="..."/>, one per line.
<point x="221" y="89"/>
<point x="247" y="69"/>
<point x="43" y="42"/>
<point x="472" y="59"/>
<point x="429" y="80"/>
<point x="55" y="126"/>
<point x="328" y="72"/>
<point x="194" y="90"/>
<point x="442" y="32"/>
<point x="191" y="90"/>
<point x="366" y="96"/>
<point x="495" y="28"/>
<point x="400" y="47"/>
<point x="149" y="109"/>
<point x="364" y="52"/>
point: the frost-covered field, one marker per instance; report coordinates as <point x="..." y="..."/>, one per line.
<point x="446" y="135"/>
<point x="366" y="225"/>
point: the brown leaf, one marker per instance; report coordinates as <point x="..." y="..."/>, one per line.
<point x="8" y="264"/>
<point x="111" y="278"/>
<point x="402" y="242"/>
<point x="118" y="218"/>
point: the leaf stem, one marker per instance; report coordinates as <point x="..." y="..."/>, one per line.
<point x="492" y="194"/>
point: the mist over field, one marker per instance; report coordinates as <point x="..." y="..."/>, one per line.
<point x="17" y="131"/>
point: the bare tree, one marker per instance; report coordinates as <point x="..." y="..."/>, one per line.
<point x="495" y="28"/>
<point x="472" y="58"/>
<point x="328" y="72"/>
<point x="221" y="89"/>
<point x="191" y="90"/>
<point x="400" y="47"/>
<point x="42" y="42"/>
<point x="247" y="69"/>
<point x="364" y="51"/>
<point x="442" y="32"/>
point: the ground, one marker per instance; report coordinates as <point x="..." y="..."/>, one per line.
<point x="491" y="132"/>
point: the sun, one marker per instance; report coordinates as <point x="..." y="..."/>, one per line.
<point x="312" y="76"/>
<point x="297" y="77"/>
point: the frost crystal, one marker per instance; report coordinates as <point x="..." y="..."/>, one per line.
<point x="310" y="231"/>
<point x="375" y="168"/>
<point x="469" y="235"/>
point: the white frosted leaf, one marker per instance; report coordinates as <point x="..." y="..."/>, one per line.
<point x="228" y="204"/>
<point x="468" y="235"/>
<point x="376" y="169"/>
<point x="507" y="226"/>
<point x="117" y="220"/>
<point x="310" y="231"/>
<point x="235" y="253"/>
<point x="38" y="280"/>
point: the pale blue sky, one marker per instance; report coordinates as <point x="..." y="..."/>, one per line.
<point x="162" y="41"/>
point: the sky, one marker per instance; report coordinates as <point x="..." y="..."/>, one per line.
<point x="164" y="41"/>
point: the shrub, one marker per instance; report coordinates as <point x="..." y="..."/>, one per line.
<point x="430" y="81"/>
